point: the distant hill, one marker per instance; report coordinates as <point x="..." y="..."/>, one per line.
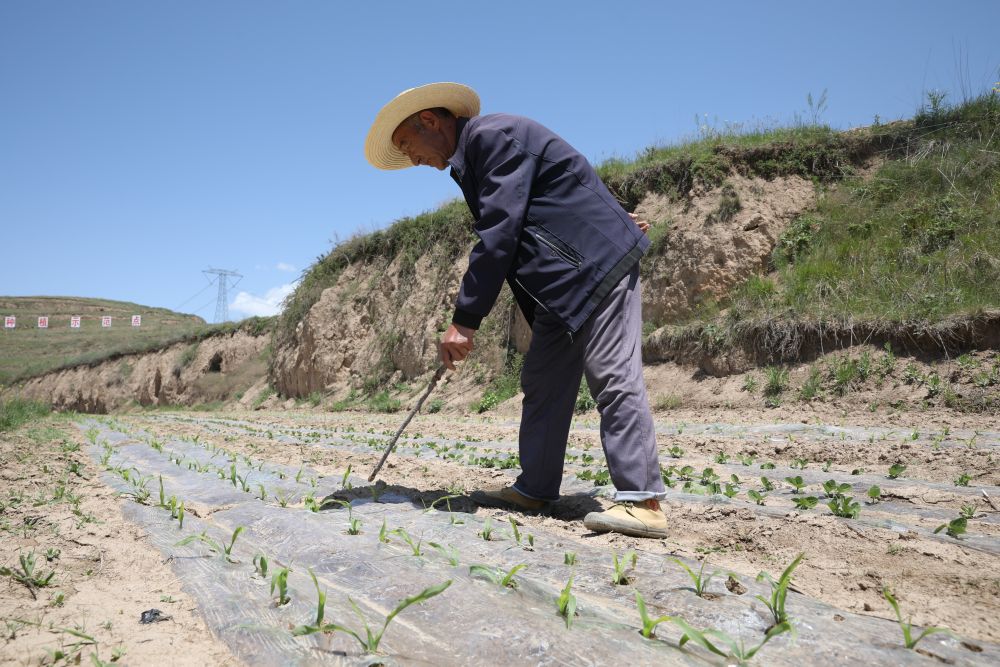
<point x="27" y="350"/>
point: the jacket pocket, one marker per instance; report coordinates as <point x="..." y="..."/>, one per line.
<point x="557" y="245"/>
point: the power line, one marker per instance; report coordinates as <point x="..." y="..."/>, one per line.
<point x="196" y="295"/>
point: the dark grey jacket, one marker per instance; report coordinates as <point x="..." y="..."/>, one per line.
<point x="546" y="223"/>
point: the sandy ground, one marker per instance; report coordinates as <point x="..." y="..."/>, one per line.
<point x="105" y="574"/>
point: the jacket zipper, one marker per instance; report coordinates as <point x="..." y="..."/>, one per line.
<point x="518" y="281"/>
<point x="557" y="250"/>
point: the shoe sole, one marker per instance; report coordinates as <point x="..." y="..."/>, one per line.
<point x="611" y="526"/>
<point x="485" y="500"/>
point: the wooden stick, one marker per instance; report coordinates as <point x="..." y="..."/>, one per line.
<point x="392" y="443"/>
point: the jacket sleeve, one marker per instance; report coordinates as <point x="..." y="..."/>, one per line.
<point x="504" y="171"/>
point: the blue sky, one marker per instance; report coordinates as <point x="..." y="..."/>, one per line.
<point x="142" y="142"/>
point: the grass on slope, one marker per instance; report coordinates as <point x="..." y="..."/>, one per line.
<point x="27" y="351"/>
<point x="917" y="241"/>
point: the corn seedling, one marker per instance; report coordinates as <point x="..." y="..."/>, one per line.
<point x="895" y="470"/>
<point x="623" y="568"/>
<point x="414" y="546"/>
<point x="832" y="489"/>
<point x="372" y="639"/>
<point x="963" y="480"/>
<point x="700" y="581"/>
<point x="757" y="497"/>
<point x="383" y="535"/>
<point x="779" y="591"/>
<point x="344" y="484"/>
<point x="738" y="651"/>
<point x="569" y="558"/>
<point x="261" y="492"/>
<point x="498" y="576"/>
<point x="516" y="532"/>
<point x="310" y="503"/>
<point x="954" y="528"/>
<point x="806" y="503"/>
<point x="908" y="640"/>
<point x="796" y="482"/>
<point x="449" y="552"/>
<point x="648" y="624"/>
<point x="260" y="565"/>
<point x="826" y="466"/>
<point x="320" y="606"/>
<point x="487" y="531"/>
<point x="282" y="498"/>
<point x="279" y="582"/>
<point x="874" y="494"/>
<point x="226" y="551"/>
<point x="800" y="464"/>
<point x="566" y="603"/>
<point x="844" y="507"/>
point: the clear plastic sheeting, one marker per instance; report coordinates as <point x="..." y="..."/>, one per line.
<point x="474" y="621"/>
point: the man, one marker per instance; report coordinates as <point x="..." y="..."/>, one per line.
<point x="550" y="228"/>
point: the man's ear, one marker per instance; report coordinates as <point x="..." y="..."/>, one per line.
<point x="429" y="119"/>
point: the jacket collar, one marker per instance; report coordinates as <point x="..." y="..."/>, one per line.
<point x="457" y="160"/>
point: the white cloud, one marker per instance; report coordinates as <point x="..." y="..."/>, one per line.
<point x="281" y="266"/>
<point x="269" y="304"/>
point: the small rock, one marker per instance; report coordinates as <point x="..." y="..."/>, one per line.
<point x="868" y="607"/>
<point x="735" y="586"/>
<point x="153" y="616"/>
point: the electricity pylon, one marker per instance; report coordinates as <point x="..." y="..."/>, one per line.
<point x="222" y="304"/>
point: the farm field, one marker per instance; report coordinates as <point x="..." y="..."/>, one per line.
<point x="745" y="496"/>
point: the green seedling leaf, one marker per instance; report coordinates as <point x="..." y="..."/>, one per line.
<point x="566" y="604"/>
<point x="623" y="568"/>
<point x="676" y="452"/>
<point x="648" y="624"/>
<point x="414" y="546"/>
<point x="844" y="507"/>
<point x="280" y="582"/>
<point x="757" y="497"/>
<point x="487" y="531"/>
<point x="963" y="480"/>
<point x="895" y="470"/>
<point x="908" y="640"/>
<point x="779" y="591"/>
<point x="954" y="528"/>
<point x="700" y="581"/>
<point x="260" y="565"/>
<point x="874" y="494"/>
<point x="513" y="527"/>
<point x="569" y="558"/>
<point x="449" y="552"/>
<point x="795" y="482"/>
<point x="832" y="489"/>
<point x="767" y="484"/>
<point x="806" y="503"/>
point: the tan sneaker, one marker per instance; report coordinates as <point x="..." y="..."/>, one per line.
<point x="505" y="497"/>
<point x="639" y="519"/>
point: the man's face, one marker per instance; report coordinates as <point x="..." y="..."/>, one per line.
<point x="427" y="144"/>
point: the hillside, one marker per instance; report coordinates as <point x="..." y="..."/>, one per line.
<point x="28" y="351"/>
<point x="770" y="248"/>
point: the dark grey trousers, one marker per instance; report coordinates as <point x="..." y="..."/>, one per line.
<point x="608" y="350"/>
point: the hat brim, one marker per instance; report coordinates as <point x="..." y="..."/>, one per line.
<point x="455" y="97"/>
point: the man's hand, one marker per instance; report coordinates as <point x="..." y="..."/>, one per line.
<point x="456" y="343"/>
<point x="642" y="224"/>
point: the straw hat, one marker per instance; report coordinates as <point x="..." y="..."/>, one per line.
<point x="455" y="97"/>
